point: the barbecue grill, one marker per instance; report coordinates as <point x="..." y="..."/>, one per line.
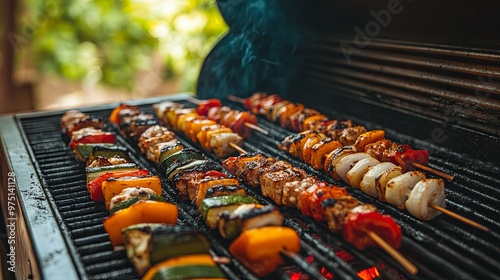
<point x="424" y="91"/>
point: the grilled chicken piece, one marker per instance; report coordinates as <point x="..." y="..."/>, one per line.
<point x="129" y="193"/>
<point x="154" y="135"/>
<point x="245" y="167"/>
<point x="334" y="129"/>
<point x="87" y="131"/>
<point x="70" y="118"/>
<point x="102" y="161"/>
<point x="272" y="167"/>
<point x="248" y="216"/>
<point x="292" y="190"/>
<point x="335" y="211"/>
<point x="381" y="150"/>
<point x="187" y="179"/>
<point x="272" y="183"/>
<point x="426" y="192"/>
<point x="155" y="151"/>
<point x="219" y="143"/>
<point x="135" y="126"/>
<point x="74" y="120"/>
<point x="127" y="113"/>
<point x="350" y="135"/>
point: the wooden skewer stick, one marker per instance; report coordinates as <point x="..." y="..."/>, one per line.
<point x="235" y="98"/>
<point x="433" y="171"/>
<point x="459" y="217"/>
<point x="247" y="124"/>
<point x="254" y="127"/>
<point x="237" y="148"/>
<point x="410" y="267"/>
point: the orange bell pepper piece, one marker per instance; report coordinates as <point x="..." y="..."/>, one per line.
<point x="114" y="186"/>
<point x="259" y="248"/>
<point x="145" y="211"/>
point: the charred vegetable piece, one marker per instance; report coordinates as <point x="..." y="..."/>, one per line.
<point x="168" y="150"/>
<point x="207" y="184"/>
<point x="205" y="105"/>
<point x="248" y="216"/>
<point x="210" y="208"/>
<point x="95" y="186"/>
<point x="106" y="151"/>
<point x="134" y="199"/>
<point x="142" y="212"/>
<point x="404" y="156"/>
<point x="179" y="159"/>
<point x="114" y="186"/>
<point x="425" y="193"/>
<point x="101" y="137"/>
<point x="94" y="172"/>
<point x="225" y="191"/>
<point x="259" y="248"/>
<point x="115" y="114"/>
<point x="83" y="151"/>
<point x="358" y="224"/>
<point x="199" y="266"/>
<point x="316" y="199"/>
<point x="150" y="244"/>
<point x="190" y="165"/>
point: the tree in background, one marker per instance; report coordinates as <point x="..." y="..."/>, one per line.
<point x="110" y="41"/>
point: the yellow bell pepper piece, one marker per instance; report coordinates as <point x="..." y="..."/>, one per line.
<point x="146" y="211"/>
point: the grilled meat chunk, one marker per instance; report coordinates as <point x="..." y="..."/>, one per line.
<point x="246" y="167"/>
<point x="292" y="190"/>
<point x="350" y="135"/>
<point x="154" y="135"/>
<point x="272" y="183"/>
<point x="382" y="149"/>
<point x="103" y="161"/>
<point x="219" y="143"/>
<point x="134" y="126"/>
<point x="335" y="211"/>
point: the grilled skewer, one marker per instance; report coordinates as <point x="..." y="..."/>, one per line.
<point x="193" y="182"/>
<point x="412" y="269"/>
<point x="290" y="116"/>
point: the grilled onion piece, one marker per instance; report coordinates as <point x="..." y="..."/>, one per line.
<point x="399" y="188"/>
<point x="425" y="193"/>
<point x="355" y="175"/>
<point x="369" y="185"/>
<point x="346" y="163"/>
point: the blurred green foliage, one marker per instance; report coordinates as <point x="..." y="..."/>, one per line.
<point x="109" y="41"/>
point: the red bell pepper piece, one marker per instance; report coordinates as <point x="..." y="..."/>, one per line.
<point x="239" y="124"/>
<point x="94" y="186"/>
<point x="405" y="155"/>
<point x="358" y="224"/>
<point x="106" y="137"/>
<point x="206" y="105"/>
<point x="214" y="173"/>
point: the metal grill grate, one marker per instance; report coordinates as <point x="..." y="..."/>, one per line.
<point x="440" y="248"/>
